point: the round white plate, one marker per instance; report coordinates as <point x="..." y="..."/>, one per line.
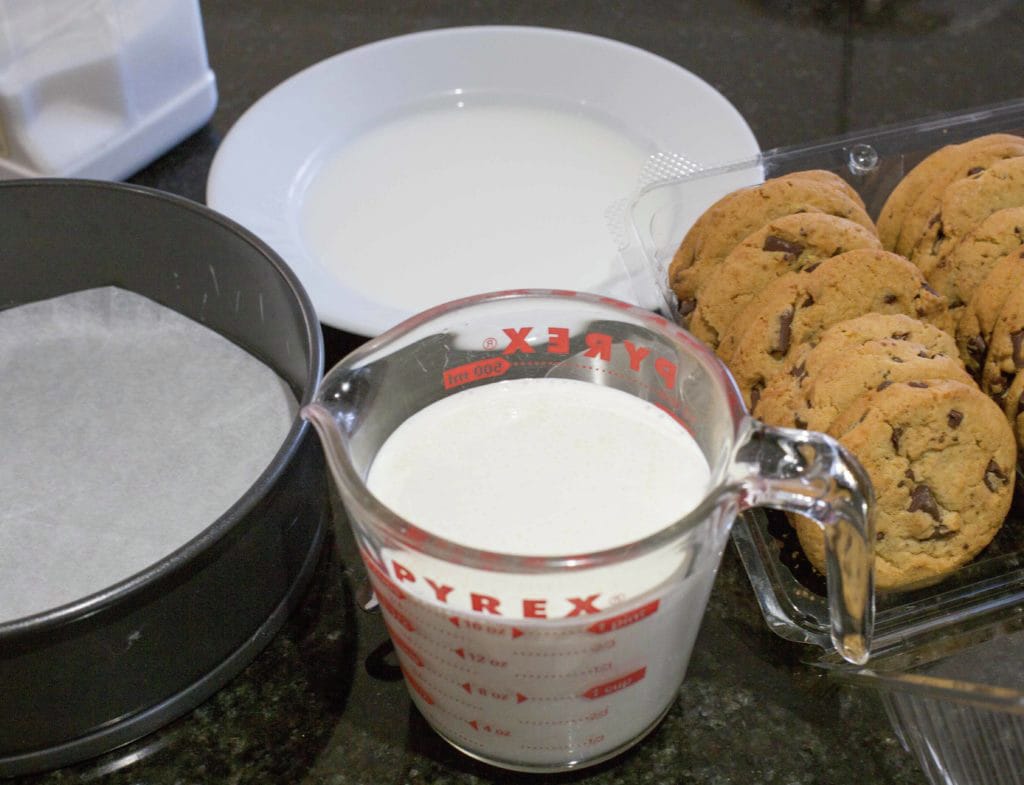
<point x="418" y="169"/>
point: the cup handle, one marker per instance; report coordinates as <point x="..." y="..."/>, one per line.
<point x="813" y="475"/>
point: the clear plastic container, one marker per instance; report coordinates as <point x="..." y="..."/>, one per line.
<point x="99" y="88"/>
<point x="959" y="705"/>
<point x="956" y="698"/>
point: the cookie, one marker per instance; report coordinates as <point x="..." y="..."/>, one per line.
<point x="820" y="389"/>
<point x="787" y="244"/>
<point x="964" y="160"/>
<point x="941" y="458"/>
<point x="783" y="395"/>
<point x="964" y="205"/>
<point x="1013" y="408"/>
<point x="1005" y="354"/>
<point x="879" y="326"/>
<point x="798" y="307"/>
<point x="830" y="179"/>
<point x="977" y="319"/>
<point x="958" y="274"/>
<point x="730" y="220"/>
<point x="907" y="190"/>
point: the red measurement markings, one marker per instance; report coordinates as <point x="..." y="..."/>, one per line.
<point x="601" y="690"/>
<point x="490" y="629"/>
<point x="376" y="571"/>
<point x="486" y="692"/>
<point x="594" y="670"/>
<point x="486" y="727"/>
<point x="405" y="647"/>
<point x="593" y="716"/>
<point x="397" y="615"/>
<point x="471" y="372"/>
<point x="481" y="659"/>
<point x="623" y="619"/>
<point x="417" y="688"/>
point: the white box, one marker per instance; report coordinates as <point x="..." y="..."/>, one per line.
<point x="99" y="88"/>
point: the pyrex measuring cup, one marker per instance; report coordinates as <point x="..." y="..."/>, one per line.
<point x="547" y="661"/>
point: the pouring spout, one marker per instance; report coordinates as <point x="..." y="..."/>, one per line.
<point x="327" y="429"/>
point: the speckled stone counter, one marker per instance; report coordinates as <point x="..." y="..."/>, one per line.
<point x="324" y="702"/>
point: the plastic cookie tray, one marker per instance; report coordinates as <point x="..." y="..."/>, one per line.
<point x="790" y="592"/>
<point x="943" y="656"/>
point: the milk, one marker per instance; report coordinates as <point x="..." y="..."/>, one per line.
<point x="477" y="194"/>
<point x="531" y="670"/>
<point x="577" y="467"/>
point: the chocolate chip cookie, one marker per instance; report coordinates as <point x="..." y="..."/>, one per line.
<point x="964" y="160"/>
<point x="941" y="458"/>
<point x="735" y="216"/>
<point x="1013" y="408"/>
<point x="787" y="244"/>
<point x="783" y="395"/>
<point x="913" y="184"/>
<point x="965" y="203"/>
<point x="1005" y="356"/>
<point x="959" y="273"/>
<point x="978" y="318"/>
<point x="798" y="307"/>
<point x="826" y="381"/>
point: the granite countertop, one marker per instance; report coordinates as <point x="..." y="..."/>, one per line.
<point x="324" y="702"/>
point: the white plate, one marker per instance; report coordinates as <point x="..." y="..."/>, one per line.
<point x="422" y="168"/>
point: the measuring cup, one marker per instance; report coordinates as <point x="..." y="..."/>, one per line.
<point x="549" y="662"/>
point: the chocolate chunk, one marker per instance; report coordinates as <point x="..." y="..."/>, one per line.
<point x="812" y="267"/>
<point x="889" y="299"/>
<point x="799" y="421"/>
<point x="918" y="385"/>
<point x="934" y="219"/>
<point x="785" y="323"/>
<point x="900" y="336"/>
<point x="799" y="371"/>
<point x="954" y="418"/>
<point x="975" y="170"/>
<point x="880" y="536"/>
<point x="1017" y="339"/>
<point x="927" y="287"/>
<point x="941" y="532"/>
<point x="995" y="478"/>
<point x="775" y="243"/>
<point x="997" y="389"/>
<point x="976" y="349"/>
<point x="897" y="434"/>
<point x="686" y="307"/>
<point x="808" y="301"/>
<point x="923" y="500"/>
<point x="884" y="385"/>
<point x="755" y="392"/>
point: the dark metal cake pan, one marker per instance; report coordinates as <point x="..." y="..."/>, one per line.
<point x="86" y="677"/>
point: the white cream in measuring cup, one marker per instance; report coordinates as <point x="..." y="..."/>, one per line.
<point x="541" y="467"/>
<point x="541" y="484"/>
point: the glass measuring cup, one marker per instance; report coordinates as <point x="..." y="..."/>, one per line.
<point x="554" y="661"/>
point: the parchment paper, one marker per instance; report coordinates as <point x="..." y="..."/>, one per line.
<point x="125" y="430"/>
